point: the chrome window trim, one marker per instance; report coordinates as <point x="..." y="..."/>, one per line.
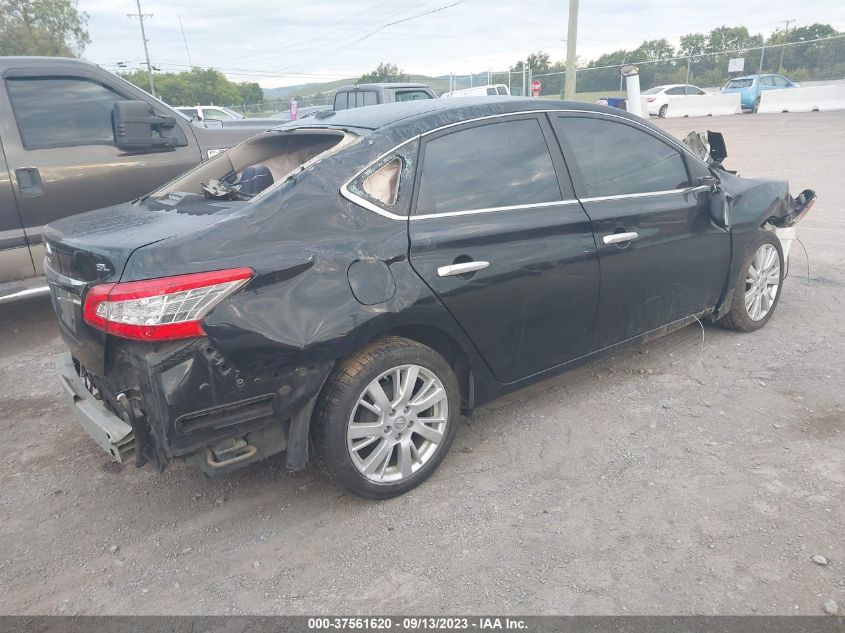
<point x="356" y="199"/>
<point x="513" y="207"/>
<point x="623" y="196"/>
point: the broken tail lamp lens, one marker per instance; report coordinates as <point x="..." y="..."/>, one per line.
<point x="162" y="309"/>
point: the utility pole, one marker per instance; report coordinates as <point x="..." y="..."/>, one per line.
<point x="571" y="37"/>
<point x="141" y="17"/>
<point x="783" y="41"/>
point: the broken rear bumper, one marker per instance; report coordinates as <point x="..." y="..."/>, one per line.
<point x="113" y="434"/>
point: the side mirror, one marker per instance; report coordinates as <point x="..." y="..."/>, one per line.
<point x="137" y="126"/>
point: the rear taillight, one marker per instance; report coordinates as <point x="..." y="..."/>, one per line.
<point x="161" y="309"/>
<point x="650" y="99"/>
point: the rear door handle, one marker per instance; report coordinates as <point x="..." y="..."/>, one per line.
<point x="461" y="269"/>
<point x="616" y="238"/>
<point x="29" y="182"/>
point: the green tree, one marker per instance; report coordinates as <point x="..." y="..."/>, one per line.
<point x="383" y="72"/>
<point x="203" y="86"/>
<point x="693" y="44"/>
<point x="538" y="62"/>
<point x="55" y="28"/>
<point x="250" y="92"/>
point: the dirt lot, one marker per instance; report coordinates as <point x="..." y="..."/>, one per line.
<point x="679" y="477"/>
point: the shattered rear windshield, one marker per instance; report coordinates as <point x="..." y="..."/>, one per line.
<point x="740" y="83"/>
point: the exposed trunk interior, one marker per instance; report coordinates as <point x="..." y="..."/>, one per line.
<point x="257" y="165"/>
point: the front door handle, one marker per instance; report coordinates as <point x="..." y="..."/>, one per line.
<point x="29" y="182"/>
<point x="616" y="238"/>
<point x="461" y="269"/>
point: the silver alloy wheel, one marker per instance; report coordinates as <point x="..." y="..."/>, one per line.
<point x="398" y="423"/>
<point x="762" y="282"/>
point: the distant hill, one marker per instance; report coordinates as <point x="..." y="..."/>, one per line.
<point x="438" y="84"/>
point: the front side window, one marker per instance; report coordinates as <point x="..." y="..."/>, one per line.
<point x="781" y="82"/>
<point x="62" y="111"/>
<point x="487" y="166"/>
<point x="411" y="95"/>
<point x="215" y="115"/>
<point x="768" y="81"/>
<point x="502" y="90"/>
<point x="618" y="159"/>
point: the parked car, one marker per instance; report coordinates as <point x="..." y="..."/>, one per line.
<point x="478" y="91"/>
<point x="751" y="87"/>
<point x="358" y="281"/>
<point x="374" y="94"/>
<point x="657" y="99"/>
<point x="60" y="154"/>
<point x="210" y="113"/>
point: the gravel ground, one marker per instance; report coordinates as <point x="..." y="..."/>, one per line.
<point x="690" y="475"/>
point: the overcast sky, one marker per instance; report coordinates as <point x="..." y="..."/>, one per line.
<point x="281" y="42"/>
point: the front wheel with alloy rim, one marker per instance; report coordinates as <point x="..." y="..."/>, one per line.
<point x="386" y="418"/>
<point x="757" y="286"/>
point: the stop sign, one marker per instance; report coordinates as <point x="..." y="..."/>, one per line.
<point x="535" y="87"/>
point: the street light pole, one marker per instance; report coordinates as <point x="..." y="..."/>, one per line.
<point x="141" y="17"/>
<point x="572" y="36"/>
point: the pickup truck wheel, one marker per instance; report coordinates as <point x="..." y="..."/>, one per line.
<point x="661" y="113"/>
<point x="758" y="285"/>
<point x="386" y="418"/>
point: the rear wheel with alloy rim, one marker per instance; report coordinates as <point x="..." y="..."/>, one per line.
<point x="662" y="112"/>
<point x="757" y="286"/>
<point x="386" y="418"/>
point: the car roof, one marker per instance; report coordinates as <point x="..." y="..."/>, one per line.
<point x="384" y="84"/>
<point x="428" y="114"/>
<point x="27" y="61"/>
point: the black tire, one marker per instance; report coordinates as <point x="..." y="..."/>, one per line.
<point x="756" y="106"/>
<point x="339" y="398"/>
<point x="661" y="113"/>
<point x="738" y="318"/>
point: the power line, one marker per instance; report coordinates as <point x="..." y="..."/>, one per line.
<point x="381" y="28"/>
<point x="184" y="39"/>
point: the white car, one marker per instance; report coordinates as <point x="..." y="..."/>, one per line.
<point x="210" y="113"/>
<point x="478" y="91"/>
<point x="657" y="99"/>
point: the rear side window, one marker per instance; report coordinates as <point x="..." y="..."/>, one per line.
<point x="617" y="159"/>
<point x="356" y="99"/>
<point x="678" y="90"/>
<point x="412" y="95"/>
<point x="487" y="166"/>
<point x="62" y="111"/>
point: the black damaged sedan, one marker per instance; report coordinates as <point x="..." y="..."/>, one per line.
<point x="355" y="281"/>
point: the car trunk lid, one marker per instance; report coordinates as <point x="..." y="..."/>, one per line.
<point x="93" y="248"/>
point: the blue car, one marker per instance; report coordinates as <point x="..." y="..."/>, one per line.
<point x="751" y="87"/>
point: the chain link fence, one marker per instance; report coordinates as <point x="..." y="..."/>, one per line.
<point x="809" y="62"/>
<point x="269" y="107"/>
<point x="813" y="61"/>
